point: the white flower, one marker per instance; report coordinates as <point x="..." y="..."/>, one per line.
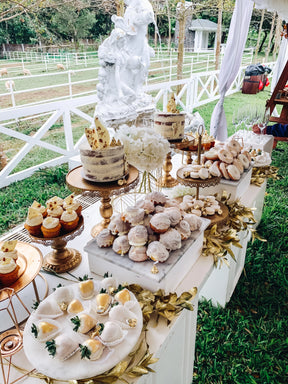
<point x="145" y="149"/>
<point x="181" y="190"/>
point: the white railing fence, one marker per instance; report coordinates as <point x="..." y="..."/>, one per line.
<point x="199" y="89"/>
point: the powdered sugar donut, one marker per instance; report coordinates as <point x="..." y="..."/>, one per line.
<point x="160" y="223"/>
<point x="225" y="156"/>
<point x="158" y="198"/>
<point x="212" y="154"/>
<point x="239" y="165"/>
<point x="174" y="215"/>
<point x="184" y="229"/>
<point x="222" y="167"/>
<point x="208" y="163"/>
<point x="104" y="238"/>
<point x="234" y="145"/>
<point x="171" y="239"/>
<point x="157" y="251"/>
<point x="248" y="155"/>
<point x="214" y="170"/>
<point x="245" y="162"/>
<point x="147" y="205"/>
<point x="138" y="253"/>
<point x="138" y="235"/>
<point x="193" y="220"/>
<point x="121" y="245"/>
<point x="233" y="172"/>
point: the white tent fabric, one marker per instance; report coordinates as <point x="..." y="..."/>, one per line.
<point x="280" y="6"/>
<point x="280" y="63"/>
<point x="231" y="62"/>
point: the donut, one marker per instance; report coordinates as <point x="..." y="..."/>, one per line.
<point x="104" y="238"/>
<point x="225" y="156"/>
<point x="196" y="212"/>
<point x="247" y="154"/>
<point x="157" y="252"/>
<point x="138" y="253"/>
<point x="245" y="162"/>
<point x="239" y="165"/>
<point x="233" y="172"/>
<point x="171" y="239"/>
<point x="214" y="170"/>
<point x="203" y="173"/>
<point x="234" y="145"/>
<point x="222" y="167"/>
<point x="212" y="154"/>
<point x="184" y="229"/>
<point x="193" y="220"/>
<point x="121" y="245"/>
<point x="174" y="215"/>
<point x="138" y="236"/>
<point x="234" y="153"/>
<point x="160" y="223"/>
<point x="208" y="163"/>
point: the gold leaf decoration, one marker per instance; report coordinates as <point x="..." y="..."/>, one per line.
<point x="260" y="174"/>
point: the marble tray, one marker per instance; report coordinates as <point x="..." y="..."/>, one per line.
<point x="76" y="368"/>
<point x="171" y="272"/>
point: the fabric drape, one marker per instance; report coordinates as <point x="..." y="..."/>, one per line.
<point x="280" y="6"/>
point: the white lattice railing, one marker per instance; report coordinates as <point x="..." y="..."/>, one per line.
<point x="199" y="89"/>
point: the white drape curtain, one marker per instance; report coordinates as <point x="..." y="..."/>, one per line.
<point x="231" y="63"/>
<point x="280" y="63"/>
<point x="280" y="6"/>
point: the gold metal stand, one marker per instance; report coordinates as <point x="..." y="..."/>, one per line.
<point x="77" y="183"/>
<point x="166" y="180"/>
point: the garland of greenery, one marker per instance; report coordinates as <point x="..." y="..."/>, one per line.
<point x="139" y="360"/>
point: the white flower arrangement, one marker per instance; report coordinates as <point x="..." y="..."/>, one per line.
<point x="145" y="149"/>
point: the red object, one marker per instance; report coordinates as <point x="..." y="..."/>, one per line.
<point x="267" y="82"/>
<point x="261" y="85"/>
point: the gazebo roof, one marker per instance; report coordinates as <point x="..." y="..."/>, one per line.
<point x="203" y="25"/>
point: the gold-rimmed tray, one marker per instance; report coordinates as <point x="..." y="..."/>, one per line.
<point x="196" y="182"/>
<point x="30" y="262"/>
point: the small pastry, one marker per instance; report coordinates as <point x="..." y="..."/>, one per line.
<point x="209" y="211"/>
<point x="112" y="334"/>
<point x="157" y="251"/>
<point x="239" y="165"/>
<point x="171" y="239"/>
<point x="121" y="245"/>
<point x="188" y="199"/>
<point x="62" y="347"/>
<point x="51" y="227"/>
<point x="244" y="160"/>
<point x="234" y="145"/>
<point x="172" y="203"/>
<point x="91" y="349"/>
<point x="117" y="226"/>
<point x="123" y="296"/>
<point x="8" y="249"/>
<point x="8" y="271"/>
<point x="214" y="170"/>
<point x="158" y="198"/>
<point x="69" y="220"/>
<point x="104" y="238"/>
<point x="198" y="204"/>
<point x="147" y="205"/>
<point x="212" y="154"/>
<point x="233" y="172"/>
<point x="71" y="203"/>
<point x="103" y="302"/>
<point x="55" y="200"/>
<point x="86" y="289"/>
<point x="45" y="330"/>
<point x="196" y="212"/>
<point x="204" y="173"/>
<point x="75" y="306"/>
<point x="133" y="215"/>
<point x="193" y="220"/>
<point x="194" y="175"/>
<point x="82" y="323"/>
<point x="225" y="156"/>
<point x="174" y="215"/>
<point x="223" y="170"/>
<point x="138" y="253"/>
<point x="184" y="229"/>
<point x="40" y="208"/>
<point x="54" y="211"/>
<point x="34" y="222"/>
<point x="159" y="209"/>
<point x="138" y="235"/>
<point x="160" y="223"/>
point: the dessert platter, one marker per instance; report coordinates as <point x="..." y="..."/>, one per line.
<point x="82" y="330"/>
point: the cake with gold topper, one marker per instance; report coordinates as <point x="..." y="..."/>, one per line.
<point x="170" y="124"/>
<point x="103" y="159"/>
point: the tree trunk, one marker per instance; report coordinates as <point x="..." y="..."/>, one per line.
<point x="218" y="35"/>
<point x="263" y="41"/>
<point x="270" y="37"/>
<point x="181" y="21"/>
<point x="277" y="37"/>
<point x="169" y="24"/>
<point x="259" y="36"/>
<point x="155" y="32"/>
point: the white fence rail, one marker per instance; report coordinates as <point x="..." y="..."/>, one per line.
<point x="199" y="89"/>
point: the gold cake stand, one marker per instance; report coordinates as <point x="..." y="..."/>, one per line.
<point x="61" y="259"/>
<point x="77" y="183"/>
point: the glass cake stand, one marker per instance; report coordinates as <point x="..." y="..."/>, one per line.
<point x="77" y="183"/>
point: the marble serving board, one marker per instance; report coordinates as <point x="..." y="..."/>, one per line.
<point x="171" y="272"/>
<point x="75" y="368"/>
<point x="235" y="188"/>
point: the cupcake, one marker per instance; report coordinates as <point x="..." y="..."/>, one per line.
<point x="55" y="200"/>
<point x="8" y="271"/>
<point x="40" y="208"/>
<point x="69" y="220"/>
<point x="54" y="210"/>
<point x="8" y="249"/>
<point x="33" y="222"/>
<point x="51" y="227"/>
<point x="71" y="203"/>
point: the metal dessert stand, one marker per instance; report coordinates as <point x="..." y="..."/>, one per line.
<point x="77" y="183"/>
<point x="166" y="180"/>
<point x="61" y="259"/>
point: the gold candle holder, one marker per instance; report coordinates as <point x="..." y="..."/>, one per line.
<point x="166" y="180"/>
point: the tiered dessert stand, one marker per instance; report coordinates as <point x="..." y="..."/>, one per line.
<point x="77" y="183"/>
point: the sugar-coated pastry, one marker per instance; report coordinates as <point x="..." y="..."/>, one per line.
<point x="157" y="251"/>
<point x="62" y="347"/>
<point x="91" y="349"/>
<point x="244" y="160"/>
<point x="196" y="212"/>
<point x="234" y="145"/>
<point x="117" y="226"/>
<point x="40" y="208"/>
<point x="223" y="170"/>
<point x="194" y="175"/>
<point x="51" y="227"/>
<point x="69" y="220"/>
<point x="112" y="334"/>
<point x="209" y="211"/>
<point x="133" y="215"/>
<point x="193" y="220"/>
<point x="138" y="235"/>
<point x="174" y="215"/>
<point x="33" y="222"/>
<point x="247" y="154"/>
<point x="214" y="170"/>
<point x="86" y="289"/>
<point x="233" y="172"/>
<point x="198" y="204"/>
<point x="8" y="249"/>
<point x="160" y="222"/>
<point x="8" y="271"/>
<point x="171" y="239"/>
<point x="212" y="154"/>
<point x="225" y="156"/>
<point x="147" y="205"/>
<point x="239" y="165"/>
<point x="105" y="238"/>
<point x="138" y="253"/>
<point x="171" y="203"/>
<point x="158" y="198"/>
<point x="121" y="245"/>
<point x="184" y="229"/>
<point x="159" y="209"/>
<point x="188" y="199"/>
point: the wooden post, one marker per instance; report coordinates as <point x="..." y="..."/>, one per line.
<point x="218" y="34"/>
<point x="259" y="36"/>
<point x="181" y="21"/>
<point x="277" y="37"/>
<point x="270" y="37"/>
